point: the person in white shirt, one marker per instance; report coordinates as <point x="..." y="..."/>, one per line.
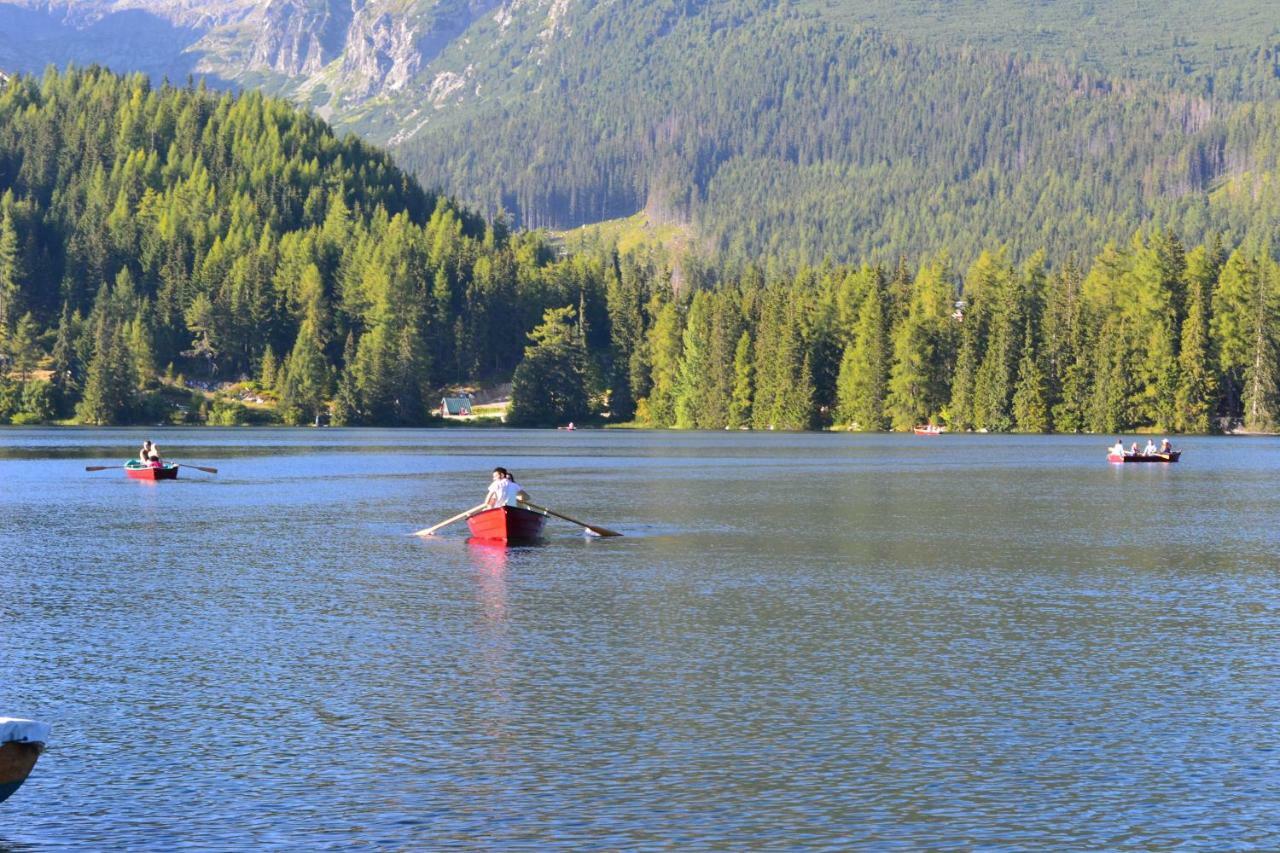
<point x="1118" y="450"/>
<point x="504" y="490"/>
<point x="1150" y="449"/>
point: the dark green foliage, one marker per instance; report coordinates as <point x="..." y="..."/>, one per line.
<point x="241" y="237"/>
<point x="551" y="385"/>
<point x="792" y="131"/>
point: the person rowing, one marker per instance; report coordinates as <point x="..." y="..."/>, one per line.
<point x="1118" y="449"/>
<point x="504" y="490"/>
<point x="148" y="450"/>
<point x="1150" y="449"/>
<point x="1165" y="446"/>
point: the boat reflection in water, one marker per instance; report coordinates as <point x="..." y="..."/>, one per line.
<point x="21" y="742"/>
<point x="492" y="647"/>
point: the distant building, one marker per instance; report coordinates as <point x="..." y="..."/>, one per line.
<point x="455" y="407"/>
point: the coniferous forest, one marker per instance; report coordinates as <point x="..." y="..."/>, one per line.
<point x="156" y="240"/>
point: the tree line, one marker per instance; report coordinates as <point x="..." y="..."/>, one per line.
<point x="147" y="232"/>
<point x="1148" y="336"/>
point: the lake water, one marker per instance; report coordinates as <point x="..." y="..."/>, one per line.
<point x="803" y="640"/>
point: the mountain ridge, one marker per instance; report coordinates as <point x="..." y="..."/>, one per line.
<point x="567" y="112"/>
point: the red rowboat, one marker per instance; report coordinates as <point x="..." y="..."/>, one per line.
<point x="928" y="429"/>
<point x="138" y="471"/>
<point x="507" y="524"/>
<point x="1171" y="456"/>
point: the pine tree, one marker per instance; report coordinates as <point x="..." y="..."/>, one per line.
<point x="10" y="272"/>
<point x="923" y="350"/>
<point x="1030" y="406"/>
<point x="268" y="368"/>
<point x="346" y="401"/>
<point x="550" y="386"/>
<point x="1197" y="394"/>
<point x="24" y="351"/>
<point x="743" y="377"/>
<point x="864" y="370"/>
<point x="1261" y="396"/>
<point x="306" y="381"/>
<point x="665" y="341"/>
<point x="694" y="383"/>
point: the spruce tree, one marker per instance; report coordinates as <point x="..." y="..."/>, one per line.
<point x="1197" y="394"/>
<point x="864" y="371"/>
<point x="743" y="376"/>
<point x="1030" y="406"/>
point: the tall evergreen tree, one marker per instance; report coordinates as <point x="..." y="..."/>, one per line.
<point x="1197" y="393"/>
<point x="864" y="371"/>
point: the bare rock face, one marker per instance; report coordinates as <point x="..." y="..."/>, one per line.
<point x="299" y="37"/>
<point x="389" y="43"/>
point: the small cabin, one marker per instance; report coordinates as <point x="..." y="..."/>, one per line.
<point x="455" y="407"/>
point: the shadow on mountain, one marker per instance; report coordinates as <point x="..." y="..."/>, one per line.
<point x="127" y="41"/>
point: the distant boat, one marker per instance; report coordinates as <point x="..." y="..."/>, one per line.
<point x="507" y="524"/>
<point x="928" y="429"/>
<point x="135" y="470"/>
<point x="21" y="742"/>
<point x="1171" y="456"/>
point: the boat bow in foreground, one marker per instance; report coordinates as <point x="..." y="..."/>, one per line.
<point x="21" y="742"/>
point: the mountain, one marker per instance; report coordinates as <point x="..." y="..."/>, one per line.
<point x="800" y="130"/>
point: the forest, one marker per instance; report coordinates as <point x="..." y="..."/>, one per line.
<point x="159" y="239"/>
<point x="773" y="131"/>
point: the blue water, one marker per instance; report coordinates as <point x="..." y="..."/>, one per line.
<point x="803" y="640"/>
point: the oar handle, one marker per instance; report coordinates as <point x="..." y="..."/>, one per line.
<point x="428" y="531"/>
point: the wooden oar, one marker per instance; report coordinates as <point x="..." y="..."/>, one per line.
<point x="429" y="531"/>
<point x="197" y="467"/>
<point x="599" y="531"/>
<point x="101" y="467"/>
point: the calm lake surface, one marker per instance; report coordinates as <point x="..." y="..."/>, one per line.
<point x="803" y="640"/>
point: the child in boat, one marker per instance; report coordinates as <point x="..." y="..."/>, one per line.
<point x="155" y="462"/>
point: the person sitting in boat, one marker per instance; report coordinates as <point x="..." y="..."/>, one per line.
<point x="1150" y="449"/>
<point x="504" y="490"/>
<point x="1118" y="449"/>
<point x="144" y="455"/>
<point x="1165" y="446"/>
<point x="1133" y="448"/>
<point x="155" y="462"/>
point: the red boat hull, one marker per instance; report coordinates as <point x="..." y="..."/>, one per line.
<point x="168" y="472"/>
<point x="507" y="524"/>
<point x="1171" y="456"/>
